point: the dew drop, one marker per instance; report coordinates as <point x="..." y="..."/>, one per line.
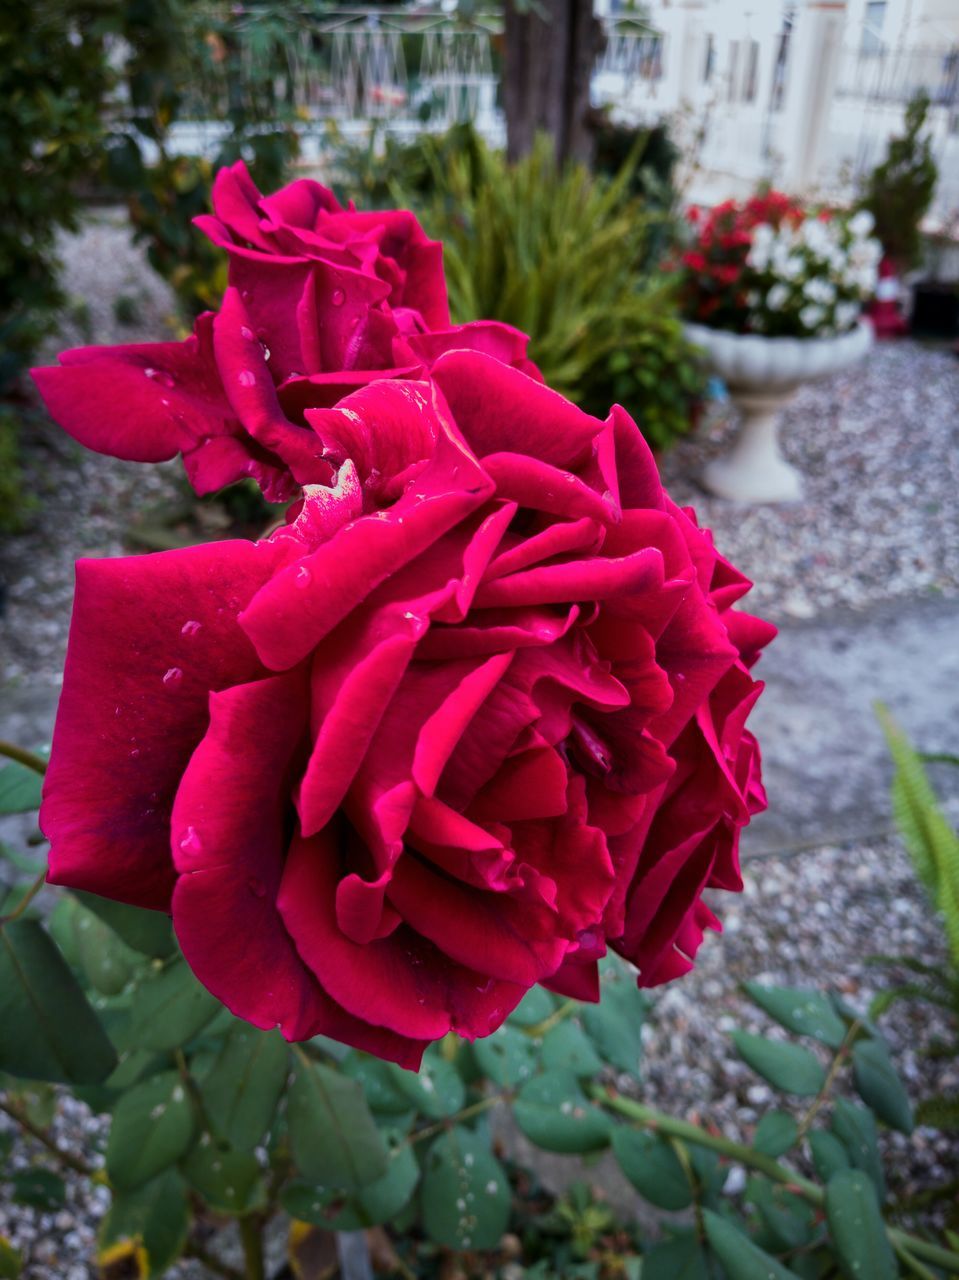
<point x="190" y="842"/>
<point x="158" y="375"/>
<point x="256" y="887"/>
<point x="492" y="1187"/>
<point x="173" y="677"/>
<point x="468" y="1159"/>
<point x="190" y="628"/>
<point x="337" y="297"/>
<point x="266" y="351"/>
<point x="246" y="378"/>
<point x="302" y="578"/>
<point x="135" y="753"/>
<point x="461" y="1205"/>
<point x="247" y="332"/>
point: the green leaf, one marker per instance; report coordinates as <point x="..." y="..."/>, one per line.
<point x="243" y="1087"/>
<point x="48" y="1031"/>
<point x="565" y="1048"/>
<point x="153" y="1127"/>
<point x="437" y="1089"/>
<point x="105" y="961"/>
<point x="857" y="1228"/>
<point x="788" y="1219"/>
<point x="377" y="1082"/>
<point x="741" y="1259"/>
<point x="534" y="1008"/>
<point x="381" y="1201"/>
<point x="170" y="1009"/>
<point x="828" y="1154"/>
<point x="653" y="1167"/>
<point x="555" y="1114"/>
<point x="855" y="1128"/>
<point x="227" y="1180"/>
<point x="149" y="932"/>
<point x="156" y="1214"/>
<point x="682" y="1258"/>
<point x="10" y="1260"/>
<point x="334" y="1138"/>
<point x="465" y="1195"/>
<point x="775" y="1133"/>
<point x="788" y="1067"/>
<point x="804" y="1012"/>
<point x="20" y="788"/>
<point x="508" y="1056"/>
<point x="930" y="840"/>
<point x="615" y="1025"/>
<point x="879" y="1086"/>
<point x="40" y="1188"/>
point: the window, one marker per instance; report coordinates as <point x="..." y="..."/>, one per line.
<point x="872" y="41"/>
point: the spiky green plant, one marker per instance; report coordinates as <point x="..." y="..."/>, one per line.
<point x="933" y="846"/>
<point x="567" y="257"/>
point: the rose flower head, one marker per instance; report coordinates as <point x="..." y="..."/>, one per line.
<point x="472" y="717"/>
<point x="326" y="300"/>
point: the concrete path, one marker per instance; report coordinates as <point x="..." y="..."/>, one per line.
<point x="824" y="758"/>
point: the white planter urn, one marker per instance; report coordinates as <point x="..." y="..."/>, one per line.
<point x="763" y="375"/>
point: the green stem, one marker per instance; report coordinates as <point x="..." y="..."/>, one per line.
<point x="658" y="1122"/>
<point x="671" y="1127"/>
<point x="913" y="1265"/>
<point x="932" y="1253"/>
<point x="29" y="759"/>
<point x="27" y="898"/>
<point x="251" y="1237"/>
<point x="842" y="1053"/>
<point x="540" y="1028"/>
<point x="473" y="1109"/>
<point x="65" y="1157"/>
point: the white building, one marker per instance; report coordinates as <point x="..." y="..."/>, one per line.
<point x="803" y="93"/>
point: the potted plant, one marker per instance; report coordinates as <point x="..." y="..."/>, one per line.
<point x="774" y="293"/>
<point x="898" y="194"/>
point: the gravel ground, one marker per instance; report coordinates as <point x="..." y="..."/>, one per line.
<point x="879" y="451"/>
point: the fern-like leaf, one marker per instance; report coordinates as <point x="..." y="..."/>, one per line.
<point x="931" y="842"/>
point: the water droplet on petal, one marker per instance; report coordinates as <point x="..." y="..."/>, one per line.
<point x="247" y="332"/>
<point x="256" y="887"/>
<point x="266" y="351"/>
<point x="302" y="577"/>
<point x="190" y="628"/>
<point x="337" y="297"/>
<point x="159" y="375"/>
<point x="135" y="753"/>
<point x="246" y="378"/>
<point x="173" y="677"/>
<point x="190" y="842"/>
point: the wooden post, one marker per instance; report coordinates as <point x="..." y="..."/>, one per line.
<point x="548" y="62"/>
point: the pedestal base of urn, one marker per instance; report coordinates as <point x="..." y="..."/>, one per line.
<point x="754" y="469"/>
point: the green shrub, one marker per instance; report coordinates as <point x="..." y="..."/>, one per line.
<point x="198" y="62"/>
<point x="53" y="74"/>
<point x="568" y="259"/>
<point x="899" y="191"/>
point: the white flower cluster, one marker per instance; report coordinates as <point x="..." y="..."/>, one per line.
<point x="812" y="278"/>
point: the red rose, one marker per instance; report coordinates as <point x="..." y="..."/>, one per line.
<point x="474" y="716"/>
<point x="324" y="300"/>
